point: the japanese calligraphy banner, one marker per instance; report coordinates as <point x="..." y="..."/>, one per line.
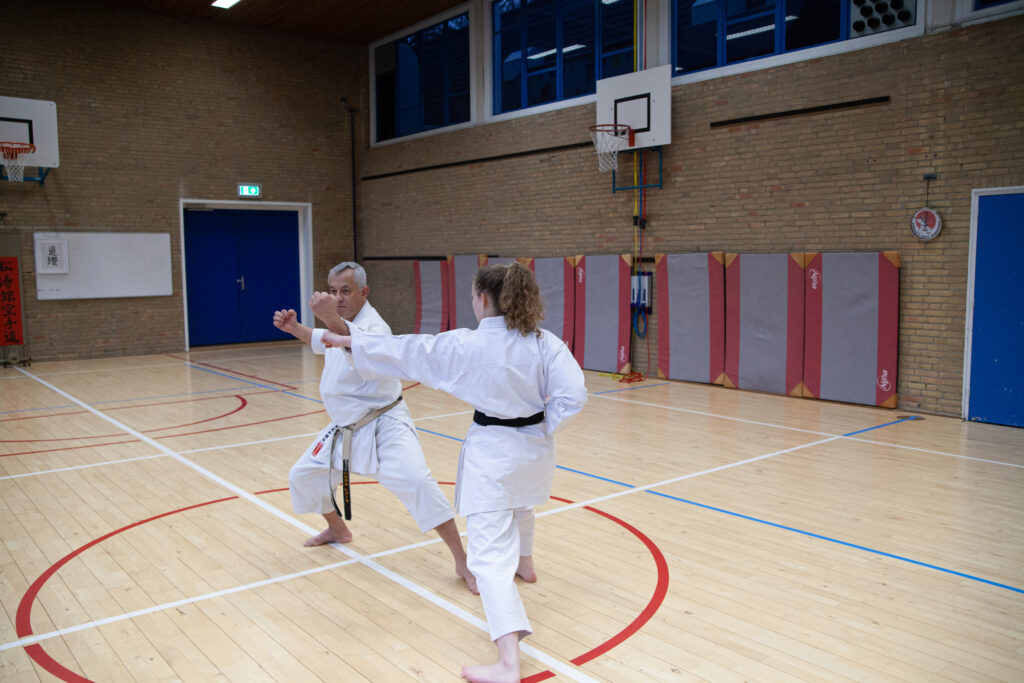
<point x="10" y="303"/>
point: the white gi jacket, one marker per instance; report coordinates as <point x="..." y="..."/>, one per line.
<point x="347" y="395"/>
<point x="502" y="374"/>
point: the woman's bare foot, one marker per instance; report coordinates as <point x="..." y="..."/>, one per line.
<point x="490" y="673"/>
<point x="525" y="570"/>
<point x="328" y="535"/>
<point x="505" y="670"/>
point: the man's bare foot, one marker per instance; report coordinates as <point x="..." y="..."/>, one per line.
<point x="328" y="536"/>
<point x="462" y="571"/>
<point x="491" y="673"/>
<point x="525" y="570"/>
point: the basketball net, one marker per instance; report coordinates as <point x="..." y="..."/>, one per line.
<point x="608" y="139"/>
<point x="14" y="167"/>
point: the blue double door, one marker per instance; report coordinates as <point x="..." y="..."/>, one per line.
<point x="240" y="267"/>
<point x="997" y="337"/>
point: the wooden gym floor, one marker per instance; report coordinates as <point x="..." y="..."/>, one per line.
<point x="696" y="533"/>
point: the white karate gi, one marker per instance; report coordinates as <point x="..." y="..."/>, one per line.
<point x="386" y="448"/>
<point x="503" y="471"/>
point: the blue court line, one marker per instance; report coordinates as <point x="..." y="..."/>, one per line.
<point x="648" y="386"/>
<point x="255" y="384"/>
<point x="810" y="533"/>
<point x="839" y="542"/>
<point x="776" y="525"/>
<point x="453" y="438"/>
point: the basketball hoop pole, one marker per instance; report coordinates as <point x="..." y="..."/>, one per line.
<point x="656" y="185"/>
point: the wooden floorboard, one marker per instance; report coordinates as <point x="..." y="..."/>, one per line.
<point x="696" y="533"/>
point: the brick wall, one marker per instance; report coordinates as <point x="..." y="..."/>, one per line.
<point x="842" y="180"/>
<point x="152" y="109"/>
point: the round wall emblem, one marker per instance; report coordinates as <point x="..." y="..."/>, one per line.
<point x="926" y="224"/>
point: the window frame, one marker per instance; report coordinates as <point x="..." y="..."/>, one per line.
<point x="468" y="8"/>
<point x="834" y="47"/>
<point x="526" y="109"/>
<point x="967" y="15"/>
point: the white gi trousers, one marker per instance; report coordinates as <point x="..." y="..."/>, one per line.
<point x="402" y="470"/>
<point x="496" y="541"/>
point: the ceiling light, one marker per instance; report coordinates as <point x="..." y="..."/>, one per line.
<point x="224" y="4"/>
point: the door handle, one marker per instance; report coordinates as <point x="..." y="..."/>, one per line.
<point x="242" y="280"/>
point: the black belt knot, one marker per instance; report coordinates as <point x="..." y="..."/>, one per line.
<point x="487" y="420"/>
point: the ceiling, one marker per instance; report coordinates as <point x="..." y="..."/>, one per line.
<point x="357" y="22"/>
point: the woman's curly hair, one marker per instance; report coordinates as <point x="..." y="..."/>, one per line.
<point x="515" y="294"/>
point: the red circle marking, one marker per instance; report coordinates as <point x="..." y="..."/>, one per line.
<point x="242" y="403"/>
<point x="23" y="618"/>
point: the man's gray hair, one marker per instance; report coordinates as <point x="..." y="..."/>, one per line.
<point x="358" y="272"/>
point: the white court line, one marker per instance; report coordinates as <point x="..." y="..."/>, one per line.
<point x="176" y="363"/>
<point x="665" y="482"/>
<point x="570" y="671"/>
<point x="933" y="452"/>
<point x="466" y="616"/>
<point x="198" y="450"/>
<point x="472" y="619"/>
<point x="158" y="455"/>
<point x="715" y="415"/>
<point x="806" y="431"/>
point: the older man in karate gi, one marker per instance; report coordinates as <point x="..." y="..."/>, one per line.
<point x="383" y="441"/>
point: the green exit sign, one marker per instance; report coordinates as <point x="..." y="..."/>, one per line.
<point x="250" y="191"/>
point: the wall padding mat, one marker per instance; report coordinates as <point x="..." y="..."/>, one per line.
<point x="851" y="336"/>
<point x="601" y="334"/>
<point x="764" y="322"/>
<point x="555" y="280"/>
<point x="431" y="296"/>
<point x="497" y="261"/>
<point x="461" y="271"/>
<point x="691" y="316"/>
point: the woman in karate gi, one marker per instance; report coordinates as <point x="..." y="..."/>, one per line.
<point x="524" y="383"/>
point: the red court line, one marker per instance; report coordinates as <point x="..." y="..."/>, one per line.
<point x="247" y="424"/>
<point x="166" y="436"/>
<point x="234" y="372"/>
<point x="242" y="405"/>
<point x="111" y="409"/>
<point x="23" y="619"/>
<point x="69" y="448"/>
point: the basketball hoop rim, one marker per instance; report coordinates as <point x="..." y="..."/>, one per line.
<point x="616" y="129"/>
<point x="12" y="150"/>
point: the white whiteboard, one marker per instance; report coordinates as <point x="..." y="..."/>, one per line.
<point x="104" y="265"/>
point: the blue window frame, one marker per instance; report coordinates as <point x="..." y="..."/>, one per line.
<point x="552" y="50"/>
<point x="985" y="4"/>
<point x="422" y="79"/>
<point x="713" y="33"/>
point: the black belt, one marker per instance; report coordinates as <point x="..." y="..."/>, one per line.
<point x="488" y="421"/>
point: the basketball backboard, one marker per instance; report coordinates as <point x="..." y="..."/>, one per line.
<point x="33" y="122"/>
<point x="641" y="100"/>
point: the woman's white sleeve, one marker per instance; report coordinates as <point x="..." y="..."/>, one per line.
<point x="566" y="389"/>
